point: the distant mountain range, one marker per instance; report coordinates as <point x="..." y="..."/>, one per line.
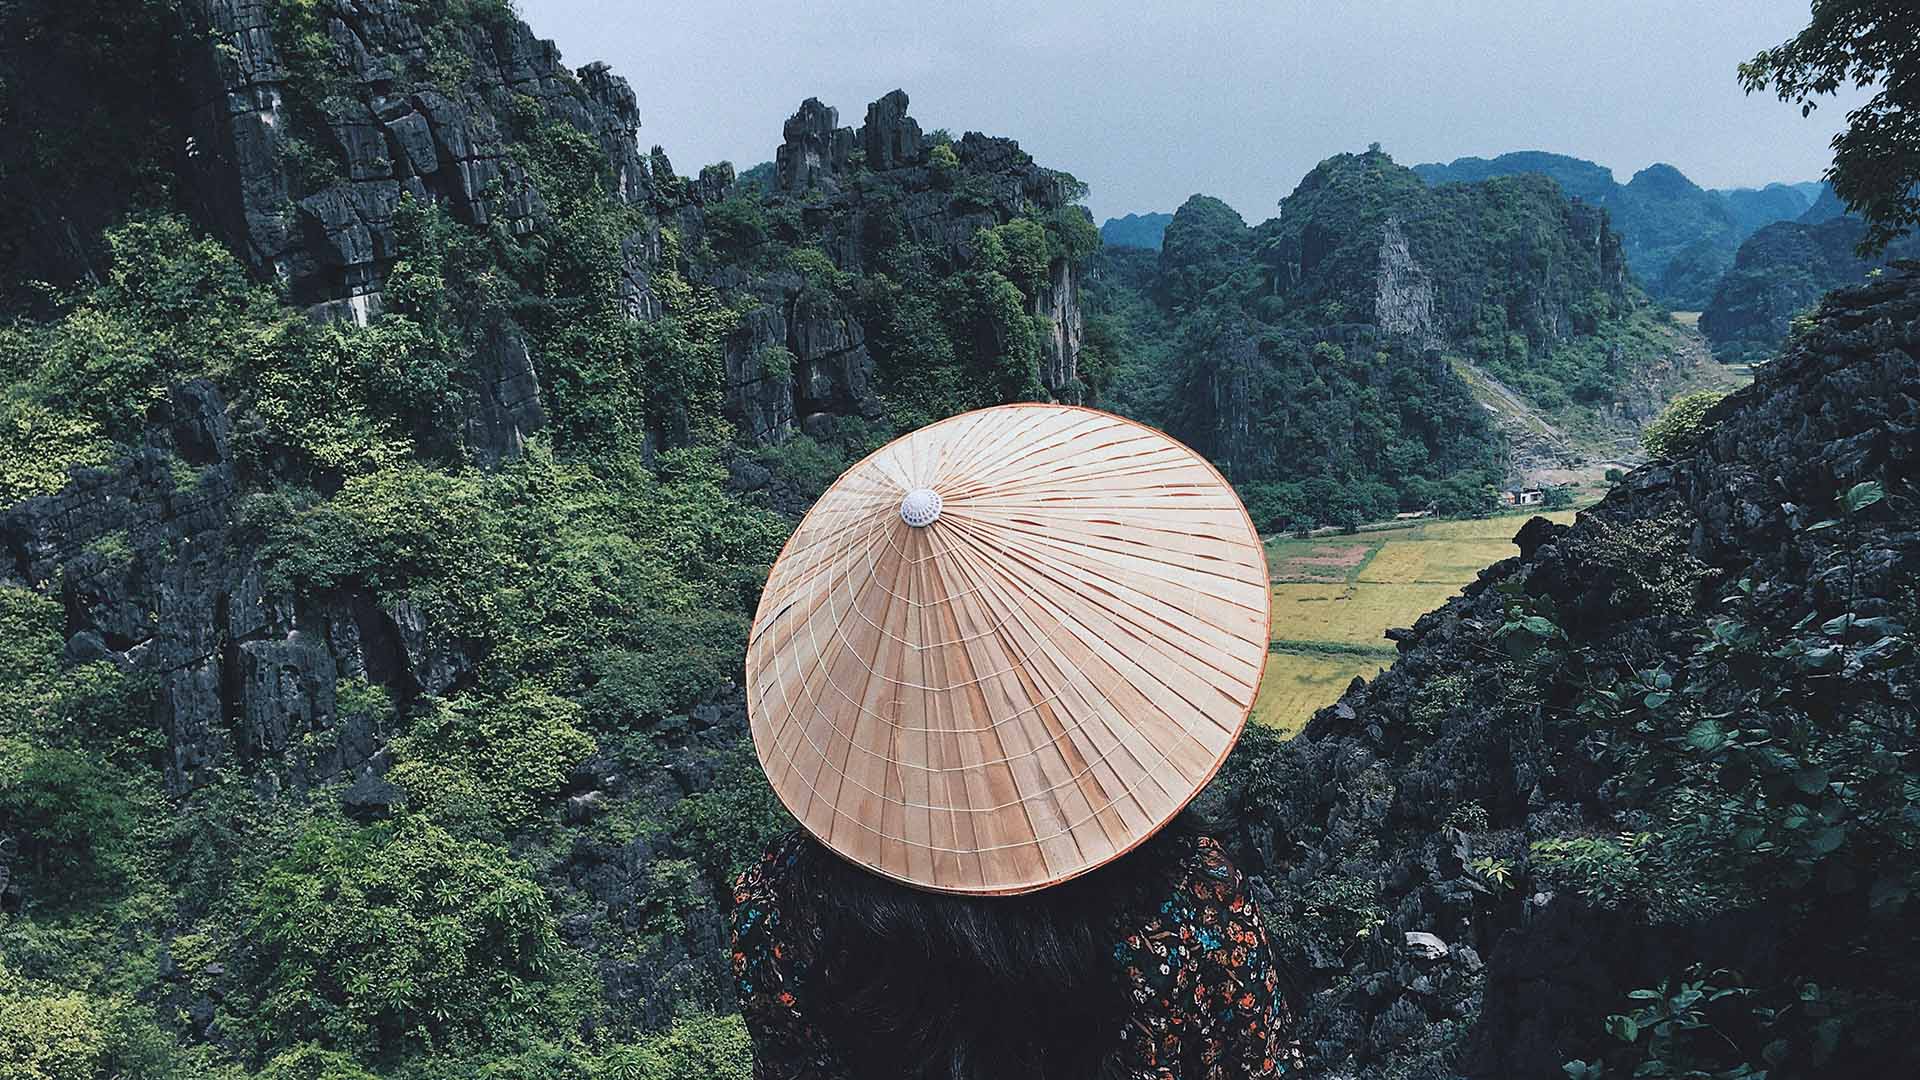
<point x="1332" y="359"/>
<point x="1680" y="238"/>
<point x="1136" y="230"/>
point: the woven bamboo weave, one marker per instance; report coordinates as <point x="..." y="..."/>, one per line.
<point x="1031" y="682"/>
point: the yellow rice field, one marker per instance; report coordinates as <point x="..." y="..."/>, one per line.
<point x="1296" y="684"/>
<point x="1335" y="596"/>
<point x="1356" y="614"/>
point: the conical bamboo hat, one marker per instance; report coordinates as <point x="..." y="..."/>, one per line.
<point x="1007" y="647"/>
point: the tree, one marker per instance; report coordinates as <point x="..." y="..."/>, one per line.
<point x="1876" y="160"/>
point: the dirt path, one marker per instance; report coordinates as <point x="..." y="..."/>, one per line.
<point x="1579" y="446"/>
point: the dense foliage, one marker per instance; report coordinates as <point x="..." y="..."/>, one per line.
<point x="1135" y="230"/>
<point x="1680" y="426"/>
<point x="487" y="832"/>
<point x="1642" y="801"/>
<point x="1334" y="330"/>
<point x="562" y="789"/>
<point x="1866" y="44"/>
<point x="1780" y="273"/>
<point x="1679" y="237"/>
<point x="597" y="592"/>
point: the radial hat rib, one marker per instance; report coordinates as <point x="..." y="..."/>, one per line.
<point x="1009" y="685"/>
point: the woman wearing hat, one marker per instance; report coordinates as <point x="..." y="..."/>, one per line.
<point x="992" y="666"/>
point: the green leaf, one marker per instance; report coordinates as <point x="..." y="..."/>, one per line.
<point x="1656" y="699"/>
<point x="1827" y="839"/>
<point x="1704" y="735"/>
<point x="1822" y="660"/>
<point x="1812" y="780"/>
<point x="1539" y="626"/>
<point x="1864" y="494"/>
<point x="1827" y="524"/>
<point x="1624" y="1028"/>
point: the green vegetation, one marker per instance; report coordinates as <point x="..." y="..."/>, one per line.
<point x="950" y="338"/>
<point x="1866" y="44"/>
<point x="1317" y="331"/>
<point x="1780" y="275"/>
<point x="600" y="582"/>
<point x="1680" y="426"/>
<point x="582" y="601"/>
<point x="1335" y="597"/>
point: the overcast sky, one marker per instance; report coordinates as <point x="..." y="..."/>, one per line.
<point x="1149" y="102"/>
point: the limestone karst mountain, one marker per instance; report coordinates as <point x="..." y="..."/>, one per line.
<point x="1782" y="271"/>
<point x="1340" y="332"/>
<point x="391" y="452"/>
<point x="1680" y="238"/>
<point x="1612" y="764"/>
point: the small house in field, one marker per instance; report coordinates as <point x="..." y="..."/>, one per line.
<point x="1526" y="497"/>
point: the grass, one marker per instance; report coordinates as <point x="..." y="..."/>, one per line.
<point x="1298" y="684"/>
<point x="1335" y="597"/>
<point x="1356" y="614"/>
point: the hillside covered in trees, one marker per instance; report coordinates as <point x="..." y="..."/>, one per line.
<point x="1318" y="356"/>
<point x="392" y="452"/>
<point x="1782" y="271"/>
<point x="385" y="487"/>
<point x="1680" y="237"/>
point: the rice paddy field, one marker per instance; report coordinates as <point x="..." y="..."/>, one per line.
<point x="1334" y="598"/>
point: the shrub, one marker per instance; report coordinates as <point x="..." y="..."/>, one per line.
<point x="483" y="761"/>
<point x="738" y="223"/>
<point x="1680" y="425"/>
<point x="776" y="361"/>
<point x="396" y="934"/>
<point x="70" y="813"/>
<point x="697" y="1047"/>
<point x="49" y="1036"/>
<point x="310" y="1062"/>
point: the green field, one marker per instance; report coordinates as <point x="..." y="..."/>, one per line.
<point x="1334" y="598"/>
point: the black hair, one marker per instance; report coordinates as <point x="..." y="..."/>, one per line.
<point x="915" y="985"/>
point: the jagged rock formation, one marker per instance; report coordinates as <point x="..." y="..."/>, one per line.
<point x="1135" y="230"/>
<point x="851" y="187"/>
<point x="1679" y="238"/>
<point x="312" y="124"/>
<point x="306" y="186"/>
<point x="1403" y="290"/>
<point x="1360" y="230"/>
<point x="1319" y="342"/>
<point x="1377" y="830"/>
<point x="1782" y="271"/>
<point x="156" y="575"/>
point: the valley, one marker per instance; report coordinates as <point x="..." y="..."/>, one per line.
<point x="393" y="449"/>
<point x="1335" y="597"/>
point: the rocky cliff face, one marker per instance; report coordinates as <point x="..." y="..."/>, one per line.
<point x="314" y="129"/>
<point x="849" y="188"/>
<point x="1315" y="341"/>
<point x="1360" y="229"/>
<point x="1679" y="238"/>
<point x="1782" y="271"/>
<point x="157" y="575"/>
<point x="1410" y="843"/>
<point x="317" y="122"/>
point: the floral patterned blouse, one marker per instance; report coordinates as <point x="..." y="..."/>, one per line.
<point x="1205" y="994"/>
